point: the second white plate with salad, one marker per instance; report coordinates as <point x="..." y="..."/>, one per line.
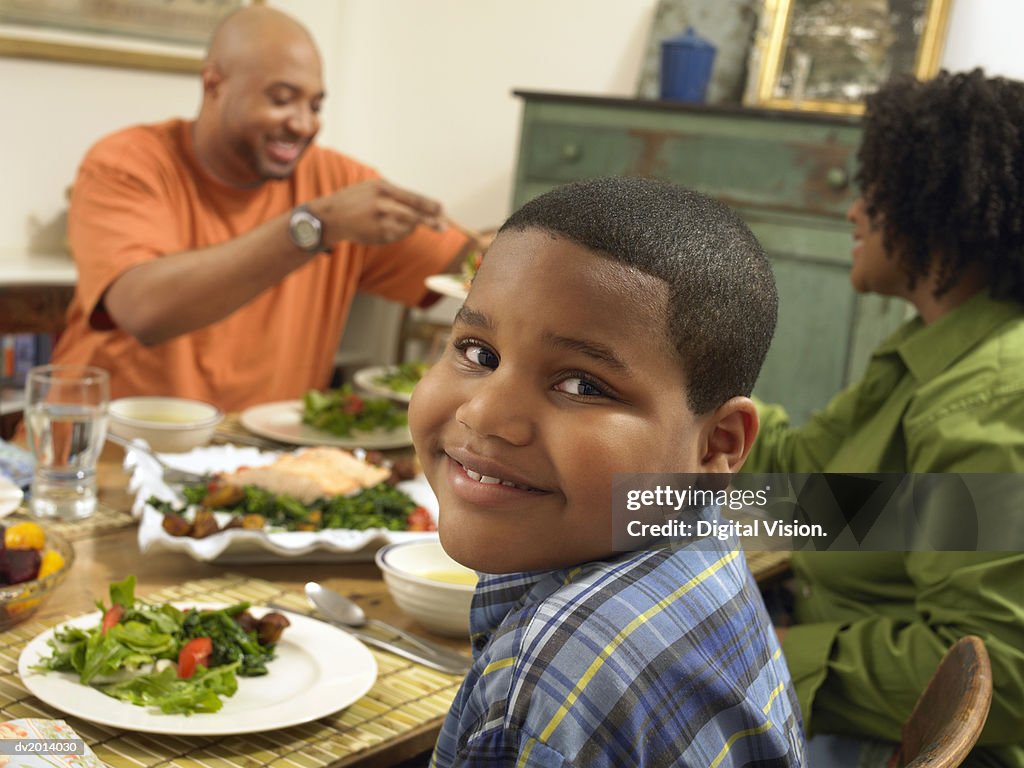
<point x="319" y="669"/>
<point x="282" y="421"/>
<point x="453" y="286"/>
<point x="394" y="381"/>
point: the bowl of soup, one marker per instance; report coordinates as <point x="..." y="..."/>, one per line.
<point x="429" y="585"/>
<point x="167" y="424"/>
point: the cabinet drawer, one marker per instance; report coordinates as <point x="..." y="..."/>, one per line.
<point x="745" y="165"/>
<point x="561" y="153"/>
<point x="779" y="174"/>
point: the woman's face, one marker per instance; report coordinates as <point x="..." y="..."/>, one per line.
<point x="875" y="269"/>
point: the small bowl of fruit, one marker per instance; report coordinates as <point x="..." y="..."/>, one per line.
<point x="34" y="561"/>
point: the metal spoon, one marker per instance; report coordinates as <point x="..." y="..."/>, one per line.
<point x="339" y="608"/>
<point x="171" y="475"/>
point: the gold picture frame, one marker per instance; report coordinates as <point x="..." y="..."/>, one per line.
<point x="161" y="35"/>
<point x="826" y="55"/>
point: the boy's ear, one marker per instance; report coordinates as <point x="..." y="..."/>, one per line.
<point x="730" y="433"/>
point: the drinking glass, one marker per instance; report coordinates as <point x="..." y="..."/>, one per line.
<point x="66" y="423"/>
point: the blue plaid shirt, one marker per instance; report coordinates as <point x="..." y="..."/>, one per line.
<point x="658" y="658"/>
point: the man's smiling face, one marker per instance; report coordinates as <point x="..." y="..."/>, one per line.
<point x="269" y="113"/>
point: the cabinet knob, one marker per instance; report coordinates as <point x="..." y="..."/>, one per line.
<point x="837" y="178"/>
<point x="571" y="152"/>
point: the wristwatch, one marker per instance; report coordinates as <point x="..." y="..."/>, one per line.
<point x="306" y="230"/>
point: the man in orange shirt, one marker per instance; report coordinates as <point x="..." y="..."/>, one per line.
<point x="218" y="258"/>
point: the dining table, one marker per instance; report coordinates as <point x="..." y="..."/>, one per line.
<point x="396" y="722"/>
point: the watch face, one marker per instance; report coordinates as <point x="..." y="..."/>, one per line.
<point x="307" y="235"/>
<point x="305" y="230"/>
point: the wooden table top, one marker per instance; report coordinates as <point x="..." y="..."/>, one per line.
<point x="112" y="553"/>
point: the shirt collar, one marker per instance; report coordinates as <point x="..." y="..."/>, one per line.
<point x="928" y="350"/>
<point x="497" y="595"/>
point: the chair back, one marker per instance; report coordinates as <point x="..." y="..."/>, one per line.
<point x="949" y="715"/>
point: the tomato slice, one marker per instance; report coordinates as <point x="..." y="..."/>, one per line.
<point x="196" y="651"/>
<point x="111" y="617"/>
<point x="352" y="405"/>
<point x="420" y="520"/>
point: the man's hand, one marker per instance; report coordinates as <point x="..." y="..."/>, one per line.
<point x="375" y="212"/>
<point x="480" y="239"/>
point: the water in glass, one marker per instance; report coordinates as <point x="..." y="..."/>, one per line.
<point x="66" y="423"/>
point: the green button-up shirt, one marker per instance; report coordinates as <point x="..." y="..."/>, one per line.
<point x="871" y="628"/>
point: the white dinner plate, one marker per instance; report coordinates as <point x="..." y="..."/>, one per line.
<point x="448" y="285"/>
<point x="366" y="380"/>
<point x="10" y="497"/>
<point x="282" y="421"/>
<point x="319" y="669"/>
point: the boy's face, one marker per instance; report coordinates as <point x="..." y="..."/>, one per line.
<point x="559" y="374"/>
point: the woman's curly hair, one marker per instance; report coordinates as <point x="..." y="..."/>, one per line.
<point x="943" y="162"/>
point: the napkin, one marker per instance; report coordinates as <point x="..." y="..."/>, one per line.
<point x="16" y="464"/>
<point x="36" y="728"/>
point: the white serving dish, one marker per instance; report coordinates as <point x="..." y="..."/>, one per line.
<point x="240" y="546"/>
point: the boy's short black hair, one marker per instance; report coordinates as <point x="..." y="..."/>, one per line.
<point x="943" y="161"/>
<point x="722" y="298"/>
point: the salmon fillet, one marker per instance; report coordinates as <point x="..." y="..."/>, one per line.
<point x="316" y="473"/>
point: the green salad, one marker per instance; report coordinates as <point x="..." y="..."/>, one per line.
<point x="341" y="412"/>
<point x="181" y="661"/>
<point x="402" y="378"/>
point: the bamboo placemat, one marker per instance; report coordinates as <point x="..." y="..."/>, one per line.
<point x="405" y="697"/>
<point x="103" y="519"/>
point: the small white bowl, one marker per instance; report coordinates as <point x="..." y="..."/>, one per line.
<point x="168" y="424"/>
<point x="410" y="570"/>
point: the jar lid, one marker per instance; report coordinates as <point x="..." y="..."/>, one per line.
<point x="690" y="39"/>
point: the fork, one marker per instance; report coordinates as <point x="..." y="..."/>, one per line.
<point x="171" y="475"/>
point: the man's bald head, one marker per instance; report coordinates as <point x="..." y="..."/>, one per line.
<point x="253" y="33"/>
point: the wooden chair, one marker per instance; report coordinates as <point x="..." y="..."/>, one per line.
<point x="948" y="717"/>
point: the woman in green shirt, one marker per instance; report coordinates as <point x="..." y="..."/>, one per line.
<point x="940" y="223"/>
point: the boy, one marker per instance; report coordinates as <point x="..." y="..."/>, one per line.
<point x="616" y="325"/>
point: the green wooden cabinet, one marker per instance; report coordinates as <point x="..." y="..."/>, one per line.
<point x="788" y="175"/>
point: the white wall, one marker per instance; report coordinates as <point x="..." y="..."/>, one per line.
<point x="438" y="77"/>
<point x="52" y="112"/>
<point x="986" y="33"/>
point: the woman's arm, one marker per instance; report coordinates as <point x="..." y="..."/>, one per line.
<point x="863" y="677"/>
<point x="781" y="447"/>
